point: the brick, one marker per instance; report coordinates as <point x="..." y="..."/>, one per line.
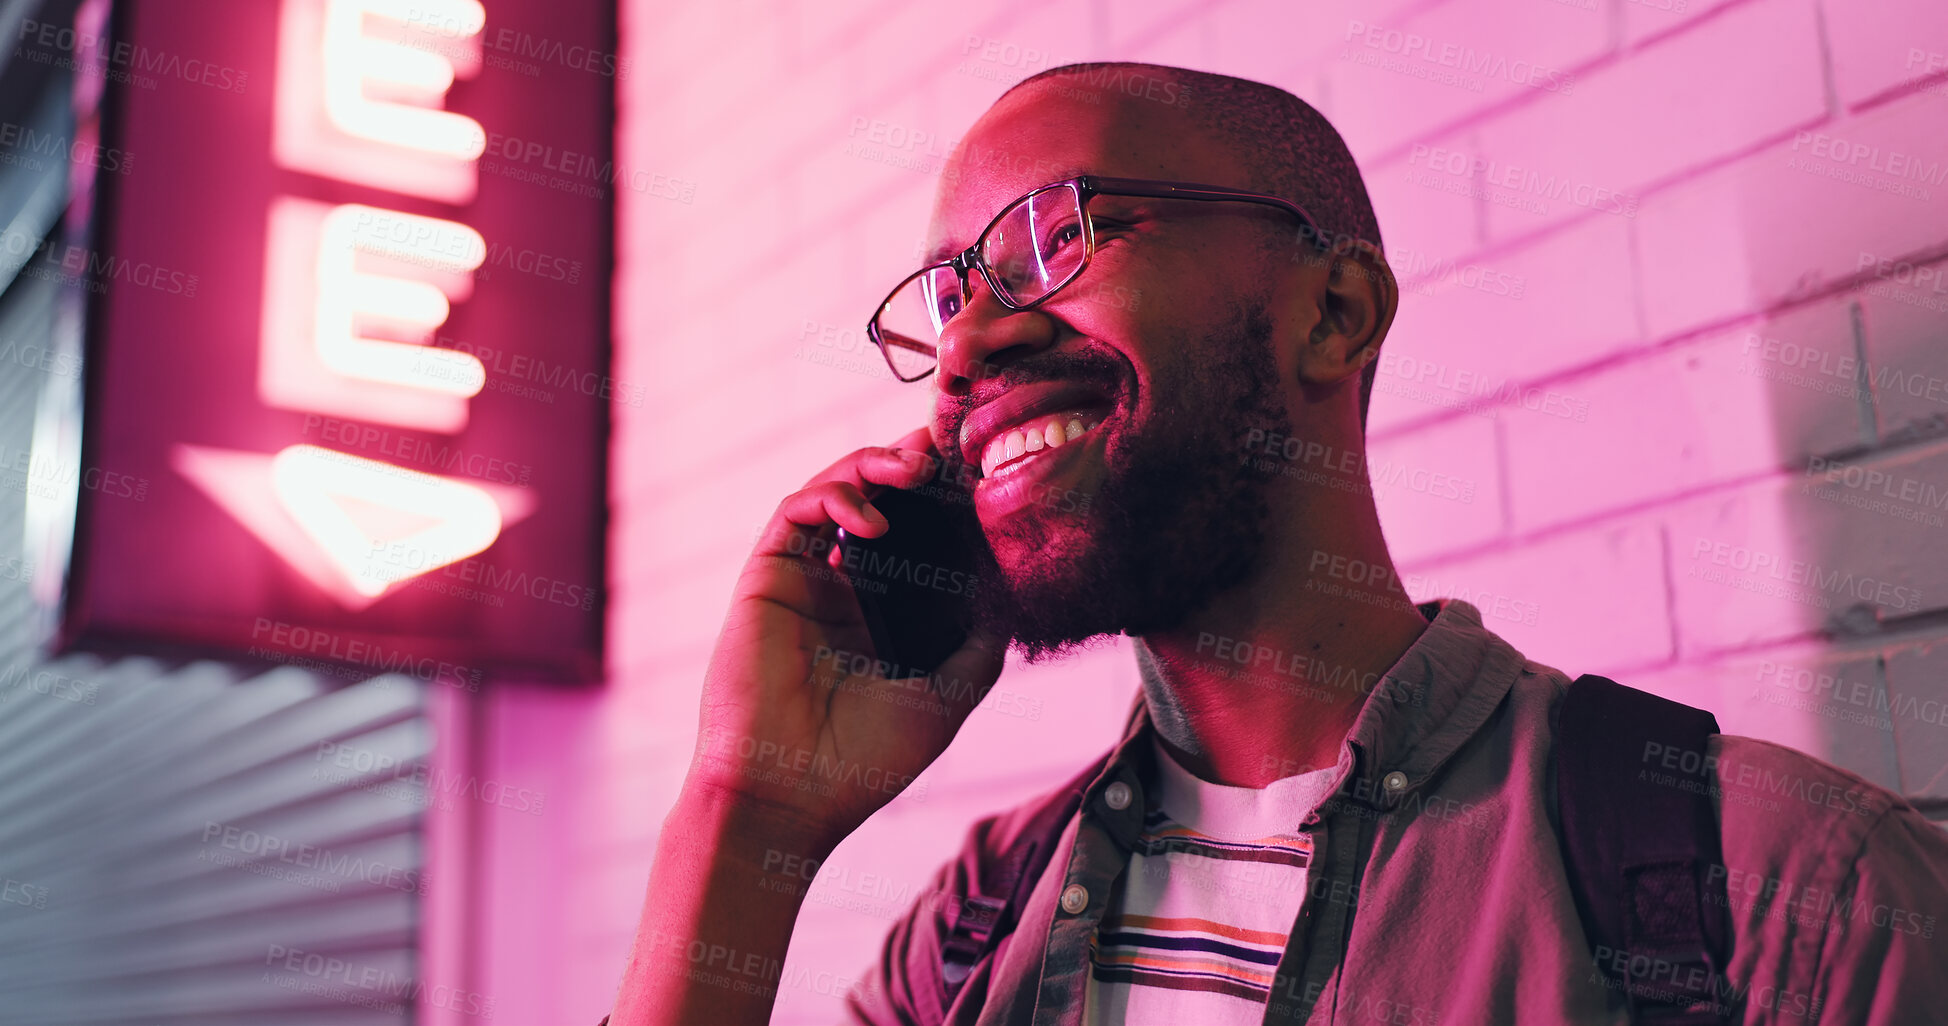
<point x="1698" y="258"/>
<point x="1480" y="328"/>
<point x="1786" y="557"/>
<point x="1830" y="705"/>
<point x="892" y="238"/>
<point x="1879" y="45"/>
<point x="708" y="92"/>
<point x="664" y="47"/>
<point x="818" y="34"/>
<point x="960" y="99"/>
<point x="1681" y="103"/>
<point x="891" y="150"/>
<point x="689" y="609"/>
<point x="694" y="352"/>
<point x="698" y="531"/>
<point x="1037" y="38"/>
<point x="715" y="447"/>
<point x="653" y="662"/>
<point x="1801" y="365"/>
<point x="815" y="108"/>
<point x="1729" y="406"/>
<point x="1243" y="43"/>
<point x="1906" y="328"/>
<point x="1136" y="21"/>
<point x="1589" y="601"/>
<point x="1186" y="43"/>
<point x="896" y="50"/>
<point x="1438" y="490"/>
<point x="1308" y="83"/>
<point x="848" y="366"/>
<point x="685" y="367"/>
<point x="1396" y="80"/>
<point x="735" y="235"/>
<point x="1775" y="225"/>
<point x="1423" y="228"/>
<point x="628" y="650"/>
<point x="1920" y="713"/>
<point x="1645" y="19"/>
<point x="1250" y="35"/>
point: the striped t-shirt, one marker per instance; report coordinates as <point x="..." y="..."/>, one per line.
<point x="1196" y="926"/>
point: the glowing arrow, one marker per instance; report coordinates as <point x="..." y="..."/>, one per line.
<point x="355" y="527"/>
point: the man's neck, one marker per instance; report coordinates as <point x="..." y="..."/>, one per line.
<point x="1266" y="681"/>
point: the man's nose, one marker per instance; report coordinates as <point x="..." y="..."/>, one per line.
<point x="986" y="336"/>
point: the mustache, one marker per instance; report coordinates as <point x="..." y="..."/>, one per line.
<point x="1083" y="366"/>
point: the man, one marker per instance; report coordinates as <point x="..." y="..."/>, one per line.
<point x="1359" y="825"/>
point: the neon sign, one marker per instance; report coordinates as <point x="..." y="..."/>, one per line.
<point x="319" y="350"/>
<point x="366" y="292"/>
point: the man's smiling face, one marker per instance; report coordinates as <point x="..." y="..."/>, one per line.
<point x="1137" y="382"/>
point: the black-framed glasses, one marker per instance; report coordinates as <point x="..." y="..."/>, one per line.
<point x="1032" y="249"/>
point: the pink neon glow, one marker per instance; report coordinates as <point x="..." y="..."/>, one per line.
<point x="310" y="349"/>
<point x="353" y="294"/>
<point x="381" y="524"/>
<point x="359" y="86"/>
<point x="352" y="59"/>
<point x="354" y="527"/>
<point x="414" y="308"/>
<point x="240" y="483"/>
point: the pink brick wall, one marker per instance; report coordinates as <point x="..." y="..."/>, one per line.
<point x="1649" y="385"/>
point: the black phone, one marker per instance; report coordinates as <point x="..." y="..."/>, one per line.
<point x="916" y="582"/>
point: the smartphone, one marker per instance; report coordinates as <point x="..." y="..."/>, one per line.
<point x="915" y="583"/>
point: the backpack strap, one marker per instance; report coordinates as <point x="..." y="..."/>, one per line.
<point x="1639" y="842"/>
<point x="990" y="913"/>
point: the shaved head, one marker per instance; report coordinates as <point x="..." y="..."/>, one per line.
<point x="1286" y="147"/>
<point x="1194" y="328"/>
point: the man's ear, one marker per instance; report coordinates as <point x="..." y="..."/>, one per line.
<point x="1357" y="305"/>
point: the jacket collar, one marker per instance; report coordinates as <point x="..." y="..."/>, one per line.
<point x="1437" y="696"/>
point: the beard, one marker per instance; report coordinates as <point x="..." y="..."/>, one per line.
<point x="1180" y="514"/>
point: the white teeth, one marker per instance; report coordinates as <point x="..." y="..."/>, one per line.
<point x="1048" y="432"/>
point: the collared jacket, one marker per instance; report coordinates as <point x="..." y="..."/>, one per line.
<point x="1436" y="892"/>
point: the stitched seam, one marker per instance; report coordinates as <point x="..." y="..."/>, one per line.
<point x="1852" y="892"/>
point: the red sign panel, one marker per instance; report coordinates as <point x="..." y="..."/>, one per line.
<point x="371" y="394"/>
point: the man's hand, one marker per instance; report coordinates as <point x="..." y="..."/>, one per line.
<point x="795" y="751"/>
<point x="806" y="737"/>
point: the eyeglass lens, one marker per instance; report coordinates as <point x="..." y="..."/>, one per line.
<point x="1032" y="249"/>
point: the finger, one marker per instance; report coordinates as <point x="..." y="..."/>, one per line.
<point x="805" y="514"/>
<point x="881" y="465"/>
<point x="897" y="461"/>
<point x="919" y="439"/>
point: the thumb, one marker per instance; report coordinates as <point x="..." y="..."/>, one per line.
<point x="965" y="677"/>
